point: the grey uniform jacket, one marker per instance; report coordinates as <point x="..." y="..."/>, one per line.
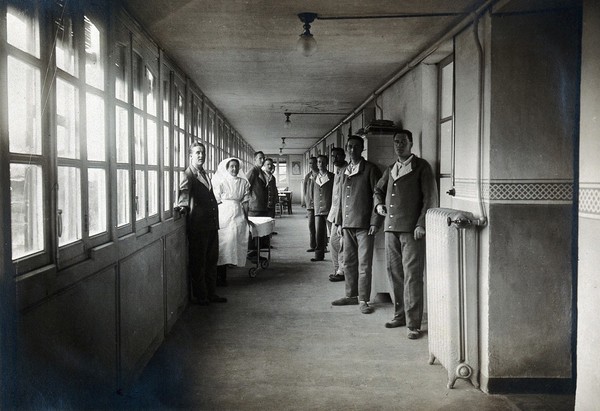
<point x="308" y="183"/>
<point x="356" y="198"/>
<point x="407" y="198"/>
<point x="322" y="195"/>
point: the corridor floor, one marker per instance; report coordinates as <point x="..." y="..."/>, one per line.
<point x="278" y="344"/>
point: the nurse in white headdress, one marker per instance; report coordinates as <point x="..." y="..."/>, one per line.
<point x="232" y="191"/>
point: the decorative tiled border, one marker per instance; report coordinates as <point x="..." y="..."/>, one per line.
<point x="589" y="200"/>
<point x="531" y="191"/>
<point x="521" y="192"/>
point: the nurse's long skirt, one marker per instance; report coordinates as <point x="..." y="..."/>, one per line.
<point x="233" y="234"/>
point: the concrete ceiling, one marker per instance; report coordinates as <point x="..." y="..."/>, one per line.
<point x="242" y="54"/>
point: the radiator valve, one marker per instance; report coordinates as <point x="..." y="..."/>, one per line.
<point x="465" y="220"/>
<point x="459" y="221"/>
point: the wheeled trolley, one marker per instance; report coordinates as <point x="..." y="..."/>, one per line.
<point x="260" y="227"/>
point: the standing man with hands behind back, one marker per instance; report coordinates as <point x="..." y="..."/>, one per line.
<point x="403" y="195"/>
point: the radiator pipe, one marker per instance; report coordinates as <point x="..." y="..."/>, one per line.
<point x="482" y="220"/>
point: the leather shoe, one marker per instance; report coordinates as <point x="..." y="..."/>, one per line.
<point x="310" y="250"/>
<point x="217" y="299"/>
<point x="413" y="333"/>
<point x="365" y="308"/>
<point x="346" y="301"/>
<point x="396" y="322"/>
<point x="336" y="277"/>
<point x="317" y="259"/>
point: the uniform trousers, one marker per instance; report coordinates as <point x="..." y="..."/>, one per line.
<point x="203" y="257"/>
<point x="405" y="258"/>
<point x="358" y="262"/>
<point x="311" y="228"/>
<point x="321" y="224"/>
<point x="336" y="249"/>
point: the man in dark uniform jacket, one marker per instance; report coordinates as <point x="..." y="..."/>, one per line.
<point x="322" y="192"/>
<point x="403" y="195"/>
<point x="309" y="203"/>
<point x="259" y="196"/>
<point x="196" y="199"/>
<point x="272" y="193"/>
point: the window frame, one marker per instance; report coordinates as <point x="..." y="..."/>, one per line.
<point x="441" y="121"/>
<point x="44" y="159"/>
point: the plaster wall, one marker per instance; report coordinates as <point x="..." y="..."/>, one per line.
<point x="527" y="172"/>
<point x="588" y="329"/>
<point x="532" y="126"/>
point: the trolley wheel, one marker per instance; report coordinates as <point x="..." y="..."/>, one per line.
<point x="252" y="272"/>
<point x="264" y="263"/>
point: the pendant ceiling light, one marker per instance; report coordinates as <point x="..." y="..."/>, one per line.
<point x="287" y="124"/>
<point x="307" y="44"/>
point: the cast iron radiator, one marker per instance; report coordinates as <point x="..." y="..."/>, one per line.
<point x="452" y="293"/>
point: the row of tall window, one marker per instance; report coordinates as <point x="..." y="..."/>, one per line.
<point x="98" y="132"/>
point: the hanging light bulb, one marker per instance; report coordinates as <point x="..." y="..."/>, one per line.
<point x="282" y="142"/>
<point x="287" y="123"/>
<point x="280" y="150"/>
<point x="307" y="44"/>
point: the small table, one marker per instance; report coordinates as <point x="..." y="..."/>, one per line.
<point x="285" y="196"/>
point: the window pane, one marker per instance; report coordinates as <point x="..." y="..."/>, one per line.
<point x="138" y="135"/>
<point x="22" y="30"/>
<point x="447" y="86"/>
<point x="167" y="188"/>
<point x="180" y="104"/>
<point x="122" y="134"/>
<point x="152" y="192"/>
<point x="140" y="194"/>
<point x="446" y="147"/>
<point x="94" y="52"/>
<point x="27" y="209"/>
<point x="138" y="81"/>
<point x="96" y="137"/>
<point x="151" y="92"/>
<point x="69" y="205"/>
<point x="121" y="82"/>
<point x="65" y="45"/>
<point x="97" y="200"/>
<point x="24" y="113"/>
<point x="123" y="196"/>
<point x="67" y="120"/>
<point x="182" y="149"/>
<point x="166" y="146"/>
<point x="152" y="143"/>
<point x="166" y="99"/>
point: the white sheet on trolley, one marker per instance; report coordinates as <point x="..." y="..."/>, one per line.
<point x="261" y="226"/>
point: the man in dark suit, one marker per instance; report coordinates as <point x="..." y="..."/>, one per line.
<point x="272" y="194"/>
<point x="358" y="223"/>
<point x="259" y="195"/>
<point x="196" y="199"/>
